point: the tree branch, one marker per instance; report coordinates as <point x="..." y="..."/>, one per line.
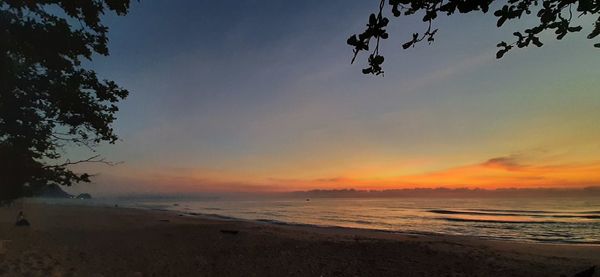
<point x="92" y="159"/>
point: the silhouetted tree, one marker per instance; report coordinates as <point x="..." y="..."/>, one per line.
<point x="552" y="15"/>
<point x="47" y="98"/>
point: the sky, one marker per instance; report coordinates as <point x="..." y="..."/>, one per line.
<point x="261" y="96"/>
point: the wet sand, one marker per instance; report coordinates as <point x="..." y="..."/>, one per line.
<point x="69" y="240"/>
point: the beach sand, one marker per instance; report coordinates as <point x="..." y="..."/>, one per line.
<point x="70" y="240"/>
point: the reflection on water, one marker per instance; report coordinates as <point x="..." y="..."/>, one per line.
<point x="542" y="220"/>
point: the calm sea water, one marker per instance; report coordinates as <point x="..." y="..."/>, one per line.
<point x="540" y="220"/>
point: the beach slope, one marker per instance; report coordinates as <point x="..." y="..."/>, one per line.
<point x="69" y="240"/>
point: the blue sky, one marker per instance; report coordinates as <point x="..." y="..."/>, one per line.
<point x="248" y="92"/>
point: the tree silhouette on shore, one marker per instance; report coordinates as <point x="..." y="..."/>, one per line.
<point x="48" y="100"/>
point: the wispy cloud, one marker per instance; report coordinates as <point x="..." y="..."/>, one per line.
<point x="507" y="162"/>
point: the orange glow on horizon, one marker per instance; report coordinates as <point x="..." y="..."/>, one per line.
<point x="492" y="174"/>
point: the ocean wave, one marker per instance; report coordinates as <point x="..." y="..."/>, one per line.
<point x="217" y="216"/>
<point x="273" y="221"/>
<point x="497" y="221"/>
<point x="533" y="211"/>
<point x="358" y="221"/>
<point x="514" y="211"/>
<point x="566" y="241"/>
<point x="538" y="214"/>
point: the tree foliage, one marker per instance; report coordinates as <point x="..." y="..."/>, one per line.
<point x="551" y="15"/>
<point x="47" y="98"/>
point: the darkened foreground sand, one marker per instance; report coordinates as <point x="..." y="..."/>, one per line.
<point x="95" y="241"/>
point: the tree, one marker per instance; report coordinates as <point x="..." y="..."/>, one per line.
<point x="48" y="100"/>
<point x="552" y="15"/>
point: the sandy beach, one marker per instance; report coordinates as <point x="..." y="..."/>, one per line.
<point x="69" y="240"/>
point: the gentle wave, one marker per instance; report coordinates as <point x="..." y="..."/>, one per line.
<point x="539" y="214"/>
<point x="533" y="211"/>
<point x="498" y="221"/>
<point x="364" y="222"/>
<point x="223" y="217"/>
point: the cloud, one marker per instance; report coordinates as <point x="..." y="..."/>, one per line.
<point x="508" y="162"/>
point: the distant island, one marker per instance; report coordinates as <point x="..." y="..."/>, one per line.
<point x="451" y="192"/>
<point x="55" y="191"/>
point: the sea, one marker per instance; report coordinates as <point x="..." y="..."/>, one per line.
<point x="542" y="220"/>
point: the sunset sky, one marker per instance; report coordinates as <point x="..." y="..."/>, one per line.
<point x="261" y="96"/>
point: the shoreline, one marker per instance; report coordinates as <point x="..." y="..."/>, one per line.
<point x="182" y="245"/>
<point x="219" y="217"/>
<point x="216" y="216"/>
<point x="357" y="229"/>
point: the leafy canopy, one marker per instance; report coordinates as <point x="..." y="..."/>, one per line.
<point x="48" y="100"/>
<point x="551" y="15"/>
